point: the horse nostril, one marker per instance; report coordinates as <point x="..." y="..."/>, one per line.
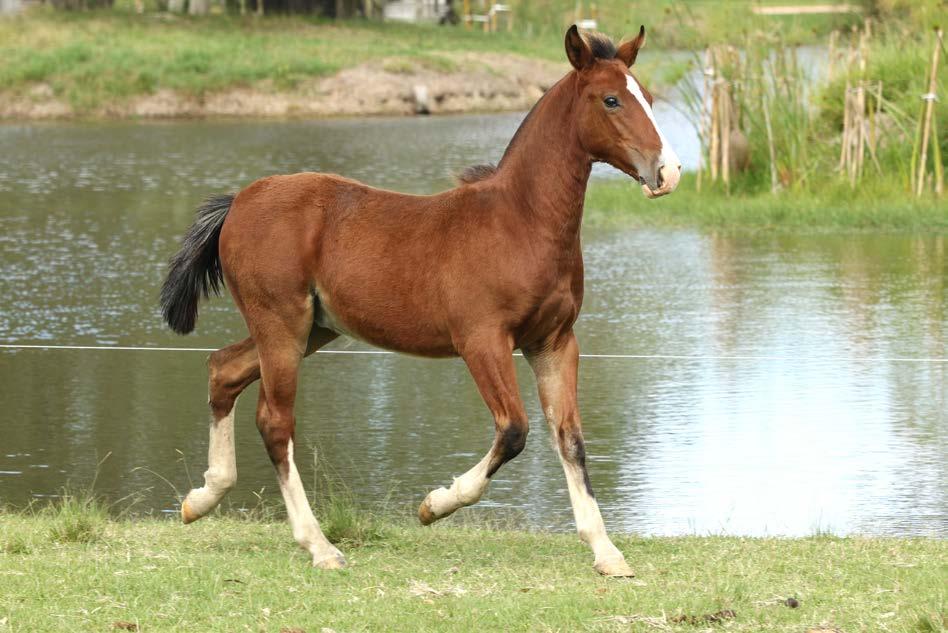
<point x="660" y="180"/>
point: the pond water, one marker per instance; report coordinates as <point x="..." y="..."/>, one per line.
<point x="777" y="405"/>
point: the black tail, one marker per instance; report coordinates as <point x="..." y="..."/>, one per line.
<point x="196" y="268"/>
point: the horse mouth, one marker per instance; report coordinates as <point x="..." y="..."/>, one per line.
<point x="651" y="192"/>
<point x="660" y="189"/>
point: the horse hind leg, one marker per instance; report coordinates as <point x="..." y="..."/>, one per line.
<point x="230" y="370"/>
<point x="280" y="359"/>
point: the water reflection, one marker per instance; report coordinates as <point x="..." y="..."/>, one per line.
<point x="812" y="432"/>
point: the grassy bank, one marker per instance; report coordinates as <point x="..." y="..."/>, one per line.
<point x="72" y="571"/>
<point x="94" y="60"/>
<point x="874" y="205"/>
<point x="88" y="59"/>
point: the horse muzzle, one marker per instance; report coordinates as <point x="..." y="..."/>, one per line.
<point x="665" y="180"/>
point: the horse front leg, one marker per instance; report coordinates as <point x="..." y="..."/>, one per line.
<point x="556" y="367"/>
<point x="490" y="362"/>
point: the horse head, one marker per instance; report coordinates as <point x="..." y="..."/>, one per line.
<point x="614" y="115"/>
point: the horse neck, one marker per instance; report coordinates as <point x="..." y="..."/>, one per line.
<point x="545" y="167"/>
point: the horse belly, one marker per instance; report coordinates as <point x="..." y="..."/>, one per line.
<point x="387" y="325"/>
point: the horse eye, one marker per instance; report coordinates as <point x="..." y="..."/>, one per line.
<point x="611" y="102"/>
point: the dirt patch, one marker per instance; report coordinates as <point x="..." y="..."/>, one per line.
<point x="476" y="83"/>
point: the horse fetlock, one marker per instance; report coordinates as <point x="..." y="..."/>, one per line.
<point x="441" y="502"/>
<point x="469" y="493"/>
<point x="220" y="480"/>
<point x="311" y="539"/>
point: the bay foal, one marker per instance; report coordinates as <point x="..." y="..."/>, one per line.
<point x="478" y="271"/>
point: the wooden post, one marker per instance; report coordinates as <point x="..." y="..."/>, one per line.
<point x="936" y="156"/>
<point x="832" y="55"/>
<point x="725" y="110"/>
<point x="927" y="118"/>
<point x="844" y="146"/>
<point x="715" y="130"/>
<point x="703" y="124"/>
<point x="873" y="129"/>
<point x="770" y="144"/>
<point x="860" y="131"/>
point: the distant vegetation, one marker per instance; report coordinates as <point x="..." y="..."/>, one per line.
<point x="770" y="122"/>
<point x="91" y="58"/>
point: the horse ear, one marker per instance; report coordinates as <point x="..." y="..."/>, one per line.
<point x="577" y="50"/>
<point x="628" y="51"/>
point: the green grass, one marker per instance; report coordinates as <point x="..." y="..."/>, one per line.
<point x="94" y="58"/>
<point x="228" y="574"/>
<point x="89" y="59"/>
<point x="76" y="519"/>
<point x="682" y="23"/>
<point x="873" y="205"/>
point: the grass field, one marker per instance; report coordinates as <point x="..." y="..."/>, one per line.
<point x="74" y="569"/>
<point x="88" y="59"/>
<point x="874" y="205"/>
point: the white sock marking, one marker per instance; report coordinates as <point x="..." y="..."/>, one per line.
<point x="589" y="523"/>
<point x="221" y="473"/>
<point x="466" y="490"/>
<point x="305" y="527"/>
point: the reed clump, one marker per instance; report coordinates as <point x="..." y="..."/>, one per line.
<point x="341" y="517"/>
<point x="76" y="517"/>
<point x="769" y="120"/>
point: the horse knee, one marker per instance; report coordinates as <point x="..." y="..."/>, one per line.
<point x="571" y="445"/>
<point x="222" y="385"/>
<point x="221" y="480"/>
<point x="511" y="439"/>
<point x="572" y="450"/>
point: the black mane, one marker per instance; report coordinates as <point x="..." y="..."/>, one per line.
<point x="474" y="173"/>
<point x="602" y="48"/>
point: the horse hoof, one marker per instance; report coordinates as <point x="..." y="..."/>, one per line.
<point x="188" y="515"/>
<point x="614" y="568"/>
<point x="425" y="515"/>
<point x="334" y="561"/>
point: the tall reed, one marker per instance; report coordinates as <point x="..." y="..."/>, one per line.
<point x="806" y="126"/>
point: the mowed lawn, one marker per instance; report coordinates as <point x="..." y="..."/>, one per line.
<point x="233" y="574"/>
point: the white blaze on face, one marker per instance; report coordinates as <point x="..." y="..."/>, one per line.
<point x="667" y="159"/>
